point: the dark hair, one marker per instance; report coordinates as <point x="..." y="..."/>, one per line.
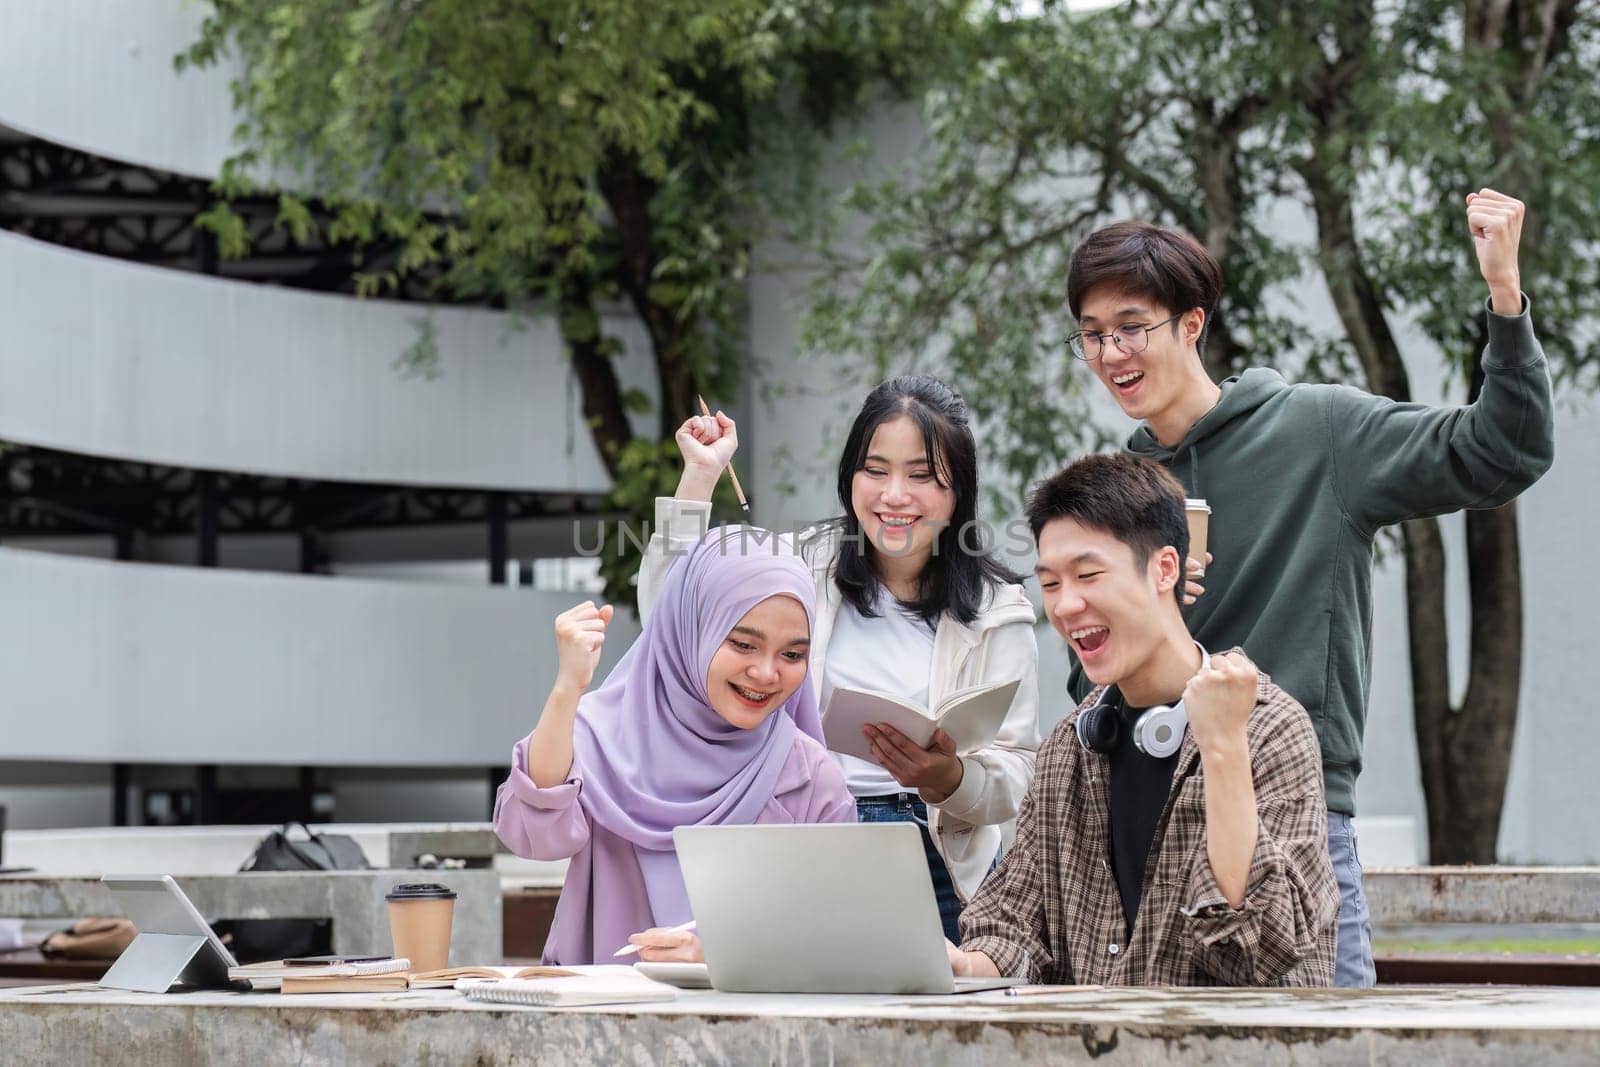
<point x="957" y="575"/>
<point x="1133" y="499"/>
<point x="1140" y="259"/>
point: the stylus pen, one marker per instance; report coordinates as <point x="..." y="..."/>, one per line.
<point x="628" y="950"/>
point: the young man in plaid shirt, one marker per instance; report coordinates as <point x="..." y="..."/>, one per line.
<point x="1150" y="851"/>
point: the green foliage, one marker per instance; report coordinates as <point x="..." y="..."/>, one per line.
<point x="1209" y="115"/>
<point x="1518" y="124"/>
<point x="548" y="154"/>
<point x="496" y="115"/>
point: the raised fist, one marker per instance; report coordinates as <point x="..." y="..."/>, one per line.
<point x="707" y="442"/>
<point x="1220" y="698"/>
<point x="580" y="632"/>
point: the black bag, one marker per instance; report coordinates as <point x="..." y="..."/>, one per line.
<point x="258" y="940"/>
<point x="319" y="852"/>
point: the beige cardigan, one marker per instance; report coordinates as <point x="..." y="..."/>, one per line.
<point x="998" y="646"/>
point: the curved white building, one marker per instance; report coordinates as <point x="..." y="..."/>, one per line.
<point x="118" y="359"/>
<point x="97" y="75"/>
<point x="141" y="663"/>
<point x="201" y="386"/>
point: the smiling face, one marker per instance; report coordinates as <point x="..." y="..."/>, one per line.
<point x="760" y="663"/>
<point x="1158" y="380"/>
<point x="1112" y="610"/>
<point x="897" y="497"/>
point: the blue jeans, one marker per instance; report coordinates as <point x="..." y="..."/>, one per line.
<point x="1353" y="965"/>
<point x="906" y="807"/>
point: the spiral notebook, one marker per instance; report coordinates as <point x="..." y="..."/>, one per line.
<point x="591" y="986"/>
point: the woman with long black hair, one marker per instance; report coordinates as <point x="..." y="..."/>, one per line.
<point x="910" y="601"/>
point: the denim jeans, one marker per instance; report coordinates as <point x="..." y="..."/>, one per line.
<point x="1353" y="964"/>
<point x="906" y="807"/>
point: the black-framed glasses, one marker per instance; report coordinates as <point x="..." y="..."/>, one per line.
<point x="1130" y="339"/>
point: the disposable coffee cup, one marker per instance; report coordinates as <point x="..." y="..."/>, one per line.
<point x="1198" y="512"/>
<point x="419" y="923"/>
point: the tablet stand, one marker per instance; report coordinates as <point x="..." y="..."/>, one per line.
<point x="154" y="963"/>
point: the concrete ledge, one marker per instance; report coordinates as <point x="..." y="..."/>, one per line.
<point x="1483" y="894"/>
<point x="189" y="850"/>
<point x="1388" y="840"/>
<point x="352" y="899"/>
<point x="1155" y="1026"/>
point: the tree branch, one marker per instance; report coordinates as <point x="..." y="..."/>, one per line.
<point x="603" y="407"/>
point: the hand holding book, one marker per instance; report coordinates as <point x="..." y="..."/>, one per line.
<point x="971" y="717"/>
<point x="934" y="771"/>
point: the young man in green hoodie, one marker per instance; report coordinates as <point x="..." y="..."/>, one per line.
<point x="1300" y="478"/>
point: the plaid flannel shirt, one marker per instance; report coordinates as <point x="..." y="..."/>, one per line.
<point x="1050" y="912"/>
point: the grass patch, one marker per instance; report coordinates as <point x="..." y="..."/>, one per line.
<point x="1586" y="947"/>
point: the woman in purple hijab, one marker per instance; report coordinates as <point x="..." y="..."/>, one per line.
<point x="704" y="721"/>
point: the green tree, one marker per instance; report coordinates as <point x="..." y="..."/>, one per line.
<point x="551" y="155"/>
<point x="1228" y="117"/>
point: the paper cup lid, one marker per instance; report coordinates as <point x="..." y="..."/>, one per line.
<point x="1193" y="504"/>
<point x="421" y="891"/>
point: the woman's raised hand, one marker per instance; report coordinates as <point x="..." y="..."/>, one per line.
<point x="707" y="442"/>
<point x="580" y="632"/>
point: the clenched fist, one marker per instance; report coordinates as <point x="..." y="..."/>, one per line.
<point x="1220" y="698"/>
<point x="707" y="442"/>
<point x="1495" y="221"/>
<point x="580" y="632"/>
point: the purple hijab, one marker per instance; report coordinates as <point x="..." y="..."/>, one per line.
<point x="652" y="752"/>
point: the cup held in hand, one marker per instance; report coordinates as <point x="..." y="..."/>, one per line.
<point x="419" y="923"/>
<point x="1198" y="512"/>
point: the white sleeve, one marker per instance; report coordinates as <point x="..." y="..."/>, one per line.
<point x="995" y="778"/>
<point x="680" y="524"/>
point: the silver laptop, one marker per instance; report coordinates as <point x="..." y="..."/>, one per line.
<point x="818" y="909"/>
<point x="175" y="946"/>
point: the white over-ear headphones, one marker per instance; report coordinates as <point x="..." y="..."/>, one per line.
<point x="1158" y="732"/>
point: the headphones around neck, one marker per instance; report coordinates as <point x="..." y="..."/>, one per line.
<point x="1158" y="732"/>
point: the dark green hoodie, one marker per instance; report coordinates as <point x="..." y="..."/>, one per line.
<point x="1301" y="477"/>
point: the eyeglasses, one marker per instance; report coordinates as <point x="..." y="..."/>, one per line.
<point x="1130" y="339"/>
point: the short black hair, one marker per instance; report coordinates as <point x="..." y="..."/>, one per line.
<point x="1141" y="259"/>
<point x="1133" y="499"/>
<point x="963" y="567"/>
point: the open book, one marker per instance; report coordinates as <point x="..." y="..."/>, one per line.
<point x="972" y="717"/>
<point x="449" y="976"/>
<point x="605" y="984"/>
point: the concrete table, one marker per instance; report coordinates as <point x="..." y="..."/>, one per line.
<point x="352" y="899"/>
<point x="74" y="1025"/>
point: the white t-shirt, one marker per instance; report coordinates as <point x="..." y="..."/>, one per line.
<point x="892" y="653"/>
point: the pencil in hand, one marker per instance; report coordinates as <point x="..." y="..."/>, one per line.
<point x="738" y="490"/>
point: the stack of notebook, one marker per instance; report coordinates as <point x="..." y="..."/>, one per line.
<point x="374" y="976"/>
